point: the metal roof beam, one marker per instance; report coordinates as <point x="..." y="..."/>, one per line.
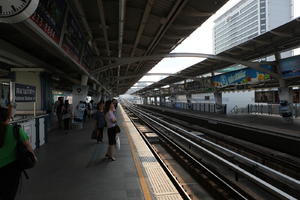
<point x="141" y="28"/>
<point x="86" y="24"/>
<point x="103" y="25"/>
<point x="184" y="27"/>
<point x="245" y="48"/>
<point x="176" y="9"/>
<point x="192" y="12"/>
<point x="130" y="60"/>
<point x="122" y="9"/>
<point x="281" y="34"/>
<point x="260" y="41"/>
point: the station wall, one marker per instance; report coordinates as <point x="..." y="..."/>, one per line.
<point x="29" y="78"/>
<point x="240" y="99"/>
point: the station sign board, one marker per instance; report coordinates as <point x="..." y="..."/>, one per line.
<point x="24" y="93"/>
<point x="87" y="57"/>
<point x="242" y="76"/>
<point x="290" y="67"/>
<point x="73" y="38"/>
<point x="49" y="17"/>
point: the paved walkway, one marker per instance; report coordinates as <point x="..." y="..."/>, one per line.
<point x="73" y="167"/>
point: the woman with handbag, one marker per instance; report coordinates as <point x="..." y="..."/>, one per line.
<point x="10" y="170"/>
<point x="111" y="122"/>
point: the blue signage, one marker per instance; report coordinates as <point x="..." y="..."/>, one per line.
<point x="290" y="67"/>
<point x="24" y="93"/>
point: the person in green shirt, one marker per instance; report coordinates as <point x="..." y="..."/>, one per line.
<point x="9" y="171"/>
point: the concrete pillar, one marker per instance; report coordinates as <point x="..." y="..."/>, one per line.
<point x="145" y="100"/>
<point x="99" y="96"/>
<point x="84" y="80"/>
<point x="162" y="100"/>
<point x="189" y="101"/>
<point x="285" y="93"/>
<point x="155" y="101"/>
<point x="218" y="101"/>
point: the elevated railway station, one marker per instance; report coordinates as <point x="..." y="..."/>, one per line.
<point x="227" y="127"/>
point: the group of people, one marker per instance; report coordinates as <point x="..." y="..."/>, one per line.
<point x="10" y="170"/>
<point x="106" y="116"/>
<point x="63" y="112"/>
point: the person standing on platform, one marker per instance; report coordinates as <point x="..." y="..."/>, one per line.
<point x="58" y="110"/>
<point x="10" y="172"/>
<point x="100" y="121"/>
<point x="111" y="122"/>
<point x="66" y="115"/>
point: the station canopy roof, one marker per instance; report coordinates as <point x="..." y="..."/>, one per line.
<point x="280" y="39"/>
<point x="148" y="27"/>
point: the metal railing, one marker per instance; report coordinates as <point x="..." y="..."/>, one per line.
<point x="200" y="107"/>
<point x="271" y="109"/>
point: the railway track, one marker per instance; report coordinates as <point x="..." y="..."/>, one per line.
<point x="233" y="174"/>
<point x="280" y="141"/>
<point x="279" y="161"/>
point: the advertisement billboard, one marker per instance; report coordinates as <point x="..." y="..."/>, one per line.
<point x="73" y="38"/>
<point x="290" y="67"/>
<point x="49" y="17"/>
<point x="242" y="76"/>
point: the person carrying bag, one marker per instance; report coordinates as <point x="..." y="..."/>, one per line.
<point x="111" y="122"/>
<point x="14" y="149"/>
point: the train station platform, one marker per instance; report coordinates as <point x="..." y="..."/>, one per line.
<point x="261" y="122"/>
<point x="72" y="166"/>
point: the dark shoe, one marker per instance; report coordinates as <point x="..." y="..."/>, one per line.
<point x="107" y="156"/>
<point x="112" y="158"/>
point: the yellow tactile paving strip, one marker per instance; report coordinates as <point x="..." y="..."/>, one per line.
<point x="158" y="183"/>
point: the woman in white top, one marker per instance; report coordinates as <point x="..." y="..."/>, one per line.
<point x="111" y="122"/>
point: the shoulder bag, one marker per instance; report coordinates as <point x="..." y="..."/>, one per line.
<point x="117" y="128"/>
<point x="25" y="158"/>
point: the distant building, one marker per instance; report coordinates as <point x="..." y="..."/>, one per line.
<point x="248" y="19"/>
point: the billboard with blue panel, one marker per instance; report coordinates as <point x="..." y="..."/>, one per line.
<point x="242" y="76"/>
<point x="290" y="67"/>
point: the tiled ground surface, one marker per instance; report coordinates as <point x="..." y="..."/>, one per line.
<point x="72" y="167"/>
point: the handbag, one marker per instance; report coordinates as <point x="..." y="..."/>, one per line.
<point x="25" y="158"/>
<point x="118" y="143"/>
<point x="94" y="135"/>
<point x="117" y="129"/>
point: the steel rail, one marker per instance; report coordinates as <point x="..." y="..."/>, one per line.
<point x="237" y="193"/>
<point x="258" y="180"/>
<point x="295" y="181"/>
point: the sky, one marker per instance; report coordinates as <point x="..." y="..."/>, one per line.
<point x="200" y="41"/>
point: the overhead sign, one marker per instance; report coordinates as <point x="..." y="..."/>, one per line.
<point x="242" y="76"/>
<point x="24" y="93"/>
<point x="49" y="17"/>
<point x="87" y="57"/>
<point x="290" y="67"/>
<point x="73" y="38"/>
<point x="14" y="11"/>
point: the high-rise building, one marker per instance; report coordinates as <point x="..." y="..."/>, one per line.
<point x="248" y="19"/>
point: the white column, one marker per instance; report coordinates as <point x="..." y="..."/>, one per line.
<point x="84" y="80"/>
<point x="218" y="101"/>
